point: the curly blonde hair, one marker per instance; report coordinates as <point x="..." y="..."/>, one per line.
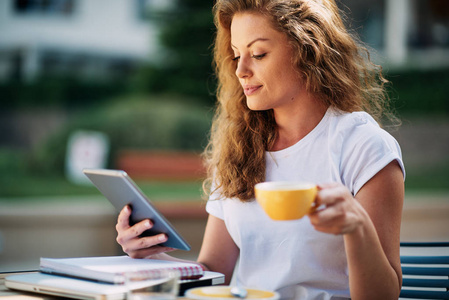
<point x="335" y="68"/>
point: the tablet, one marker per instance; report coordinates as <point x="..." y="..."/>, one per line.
<point x="121" y="190"/>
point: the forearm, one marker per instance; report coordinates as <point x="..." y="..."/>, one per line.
<point x="371" y="275"/>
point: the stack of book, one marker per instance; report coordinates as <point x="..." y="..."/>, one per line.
<point x="103" y="277"/>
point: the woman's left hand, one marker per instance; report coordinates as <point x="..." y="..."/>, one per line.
<point x="341" y="213"/>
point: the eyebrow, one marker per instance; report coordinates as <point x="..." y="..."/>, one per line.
<point x="252" y="42"/>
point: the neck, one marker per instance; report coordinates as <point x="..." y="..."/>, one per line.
<point x="294" y="124"/>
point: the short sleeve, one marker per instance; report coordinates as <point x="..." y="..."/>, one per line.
<point x="367" y="150"/>
<point x="214" y="206"/>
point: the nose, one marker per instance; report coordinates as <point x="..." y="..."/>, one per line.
<point x="243" y="69"/>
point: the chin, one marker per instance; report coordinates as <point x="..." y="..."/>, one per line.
<point x="255" y="105"/>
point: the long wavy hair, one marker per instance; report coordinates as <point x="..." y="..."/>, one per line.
<point x="335" y="68"/>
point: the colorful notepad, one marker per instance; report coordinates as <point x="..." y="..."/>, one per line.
<point x="111" y="269"/>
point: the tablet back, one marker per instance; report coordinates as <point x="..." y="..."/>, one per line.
<point x="121" y="190"/>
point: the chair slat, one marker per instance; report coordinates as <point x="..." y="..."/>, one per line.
<point x="424" y="244"/>
<point x="440" y="260"/>
<point x="428" y="267"/>
<point x="425" y="271"/>
<point x="424" y="294"/>
<point x="430" y="283"/>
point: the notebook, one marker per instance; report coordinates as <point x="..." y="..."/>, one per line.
<point x="111" y="269"/>
<point x="84" y="289"/>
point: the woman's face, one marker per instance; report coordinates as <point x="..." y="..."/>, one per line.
<point x="264" y="63"/>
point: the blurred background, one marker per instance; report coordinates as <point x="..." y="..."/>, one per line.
<point x="128" y="84"/>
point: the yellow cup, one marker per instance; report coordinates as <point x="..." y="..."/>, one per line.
<point x="286" y="200"/>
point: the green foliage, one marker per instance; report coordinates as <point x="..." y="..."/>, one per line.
<point x="48" y="187"/>
<point x="186" y="34"/>
<point x="12" y="161"/>
<point x="40" y="186"/>
<point x="59" y="91"/>
<point x="432" y="177"/>
<point x="159" y="123"/>
<point x="420" y="92"/>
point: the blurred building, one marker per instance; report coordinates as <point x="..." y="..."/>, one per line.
<point x="403" y="33"/>
<point x="104" y="37"/>
<point x="93" y="38"/>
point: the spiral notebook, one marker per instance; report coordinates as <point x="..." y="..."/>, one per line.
<point x="111" y="269"/>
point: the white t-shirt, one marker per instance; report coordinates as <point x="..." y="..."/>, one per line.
<point x="290" y="256"/>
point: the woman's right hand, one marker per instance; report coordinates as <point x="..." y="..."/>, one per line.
<point x="129" y="237"/>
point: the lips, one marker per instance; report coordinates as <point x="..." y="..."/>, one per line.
<point x="251" y="89"/>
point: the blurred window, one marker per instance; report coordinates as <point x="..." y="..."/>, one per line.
<point x="44" y="7"/>
<point x="54" y="62"/>
<point x="152" y="9"/>
<point x="366" y="19"/>
<point x="430" y="25"/>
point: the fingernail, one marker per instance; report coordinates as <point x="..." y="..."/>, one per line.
<point x="162" y="238"/>
<point x="147" y="224"/>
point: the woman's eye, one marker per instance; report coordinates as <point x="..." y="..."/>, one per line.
<point x="258" y="57"/>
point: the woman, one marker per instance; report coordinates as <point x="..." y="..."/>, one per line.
<point x="296" y="101"/>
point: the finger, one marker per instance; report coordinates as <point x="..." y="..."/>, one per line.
<point x="335" y="219"/>
<point x="334" y="228"/>
<point x="328" y="220"/>
<point x="327" y="185"/>
<point x="331" y="230"/>
<point x="133" y="232"/>
<point x="123" y="218"/>
<point x="144" y="243"/>
<point x="139" y="228"/>
<point x="325" y="214"/>
<point x="332" y="195"/>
